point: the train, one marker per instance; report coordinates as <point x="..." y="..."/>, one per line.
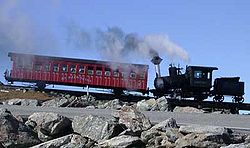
<point x="195" y="82"/>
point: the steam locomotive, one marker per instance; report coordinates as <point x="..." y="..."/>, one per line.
<point x="196" y="82"/>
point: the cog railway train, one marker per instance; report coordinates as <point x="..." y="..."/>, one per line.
<point x="195" y="83"/>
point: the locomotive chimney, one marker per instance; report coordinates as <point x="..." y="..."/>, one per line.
<point x="156" y="61"/>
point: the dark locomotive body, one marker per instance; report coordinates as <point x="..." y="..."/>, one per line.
<point x="196" y="83"/>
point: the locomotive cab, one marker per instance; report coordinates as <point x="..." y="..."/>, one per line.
<point x="200" y="77"/>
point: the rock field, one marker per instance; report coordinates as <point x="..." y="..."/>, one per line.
<point x="127" y="128"/>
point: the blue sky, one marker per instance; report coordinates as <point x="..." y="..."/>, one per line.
<point x="213" y="33"/>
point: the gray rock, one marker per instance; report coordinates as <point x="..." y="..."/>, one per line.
<point x="113" y="104"/>
<point x="162" y="104"/>
<point x="49" y="124"/>
<point x="23" y="102"/>
<point x="201" y="140"/>
<point x="14" y="133"/>
<point x="241" y="145"/>
<point x="58" y="102"/>
<point x="187" y="110"/>
<point x="146" y="105"/>
<point x="199" y="129"/>
<point x="169" y="123"/>
<point x="123" y="141"/>
<point x="90" y="107"/>
<point x="95" y="127"/>
<point x="132" y="119"/>
<point x="173" y="134"/>
<point x="146" y="136"/>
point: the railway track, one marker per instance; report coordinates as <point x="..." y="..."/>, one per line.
<point x="172" y="103"/>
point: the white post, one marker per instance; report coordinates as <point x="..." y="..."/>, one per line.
<point x="87" y="90"/>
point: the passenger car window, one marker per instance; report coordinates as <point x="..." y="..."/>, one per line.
<point x="73" y="69"/>
<point x="142" y="76"/>
<point x="116" y="73"/>
<point x="132" y="75"/>
<point x="47" y="67"/>
<point x="107" y="72"/>
<point x="81" y="69"/>
<point x="38" y="66"/>
<point x="56" y="68"/>
<point x="64" y="68"/>
<point x="90" y="70"/>
<point x="98" y="71"/>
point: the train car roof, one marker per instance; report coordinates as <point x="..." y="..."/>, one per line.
<point x="10" y="54"/>
<point x="203" y="68"/>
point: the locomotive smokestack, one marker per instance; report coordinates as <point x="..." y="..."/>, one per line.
<point x="156" y="61"/>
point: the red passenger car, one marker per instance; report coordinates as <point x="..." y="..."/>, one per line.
<point x="44" y="70"/>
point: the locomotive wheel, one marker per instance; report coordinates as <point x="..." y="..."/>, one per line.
<point x="238" y="99"/>
<point x="218" y="98"/>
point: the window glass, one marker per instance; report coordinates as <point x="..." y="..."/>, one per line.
<point x="64" y="68"/>
<point x="81" y="69"/>
<point x="197" y="74"/>
<point x="107" y="72"/>
<point x="132" y="75"/>
<point x="142" y="76"/>
<point x="123" y="75"/>
<point x="98" y="71"/>
<point x="56" y="68"/>
<point x="19" y="63"/>
<point x="73" y="68"/>
<point x="90" y="70"/>
<point x="47" y="67"/>
<point x="116" y="73"/>
<point x="38" y="66"/>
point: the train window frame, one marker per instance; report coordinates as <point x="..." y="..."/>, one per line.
<point x="132" y="75"/>
<point x="107" y="72"/>
<point x="55" y="67"/>
<point x="98" y="71"/>
<point x="38" y="66"/>
<point x="142" y="76"/>
<point x="72" y="68"/>
<point x="202" y="74"/>
<point x="20" y="63"/>
<point x="47" y="67"/>
<point x="116" y="73"/>
<point x="64" y="68"/>
<point x="81" y="69"/>
<point x="90" y="70"/>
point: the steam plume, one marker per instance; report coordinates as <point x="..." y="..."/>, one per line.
<point x="115" y="44"/>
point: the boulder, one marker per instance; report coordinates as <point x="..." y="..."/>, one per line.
<point x="187" y="110"/>
<point x="49" y="125"/>
<point x="68" y="141"/>
<point x="147" y="105"/>
<point x="241" y="145"/>
<point x="122" y="141"/>
<point x="14" y="133"/>
<point x="113" y="104"/>
<point x="132" y="119"/>
<point x="199" y="129"/>
<point x="58" y="102"/>
<point x="95" y="127"/>
<point x="23" y="102"/>
<point x="146" y="136"/>
<point x="173" y="134"/>
<point x="162" y="103"/>
<point x="207" y="140"/>
<point x="169" y="123"/>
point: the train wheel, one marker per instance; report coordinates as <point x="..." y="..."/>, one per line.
<point x="40" y="85"/>
<point x="218" y="98"/>
<point x="238" y="99"/>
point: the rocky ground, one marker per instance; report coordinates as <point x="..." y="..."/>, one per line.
<point x="128" y="127"/>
